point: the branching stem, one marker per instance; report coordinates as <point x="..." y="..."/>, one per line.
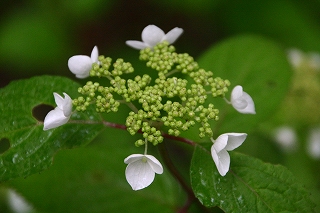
<point x="172" y="72"/>
<point x="172" y="169"/>
<point x="121" y="126"/>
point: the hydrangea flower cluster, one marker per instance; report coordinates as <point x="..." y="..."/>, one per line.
<point x="167" y="105"/>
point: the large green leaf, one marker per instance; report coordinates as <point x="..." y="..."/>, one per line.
<point x="249" y="186"/>
<point x="295" y="26"/>
<point x="92" y="179"/>
<point x="32" y="149"/>
<point x="260" y="66"/>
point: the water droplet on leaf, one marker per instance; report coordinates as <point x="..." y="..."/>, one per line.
<point x="15" y="158"/>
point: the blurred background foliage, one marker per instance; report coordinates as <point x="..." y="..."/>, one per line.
<point x="37" y="38"/>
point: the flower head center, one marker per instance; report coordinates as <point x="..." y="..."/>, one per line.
<point x="241" y="103"/>
<point x="144" y="159"/>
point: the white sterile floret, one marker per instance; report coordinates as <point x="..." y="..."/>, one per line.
<point x="225" y="142"/>
<point x="61" y="114"/>
<point x="242" y="101"/>
<point x="80" y="65"/>
<point x="286" y="138"/>
<point x="295" y="57"/>
<point x="313" y="143"/>
<point x="141" y="170"/>
<point x="17" y="203"/>
<point x="152" y="35"/>
<point x="299" y="59"/>
<point x="314" y="60"/>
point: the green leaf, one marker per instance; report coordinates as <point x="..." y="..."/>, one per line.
<point x="32" y="149"/>
<point x="260" y="66"/>
<point x="92" y="179"/>
<point x="270" y="19"/>
<point x="249" y="186"/>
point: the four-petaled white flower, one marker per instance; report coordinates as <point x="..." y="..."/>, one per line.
<point x="225" y="142"/>
<point x="61" y="114"/>
<point x="141" y="170"/>
<point x="152" y="35"/>
<point x="80" y="65"/>
<point x="242" y="101"/>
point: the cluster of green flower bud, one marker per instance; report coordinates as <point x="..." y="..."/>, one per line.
<point x="101" y="96"/>
<point x="149" y="130"/>
<point x="218" y="86"/>
<point x="172" y="103"/>
<point x="102" y="69"/>
<point x="171" y="87"/>
<point x="178" y="117"/>
<point x="181" y="115"/>
<point x="163" y="57"/>
<point x="203" y="116"/>
<point x="186" y="63"/>
<point x="135" y="87"/>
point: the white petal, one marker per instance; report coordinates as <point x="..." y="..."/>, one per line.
<point x="172" y="35"/>
<point x="17" y="203"/>
<point x="236" y="98"/>
<point x="85" y="75"/>
<point x="313" y="143"/>
<point x="136" y="44"/>
<point x="133" y="158"/>
<point x="221" y="159"/>
<point x="152" y="35"/>
<point x="214" y="155"/>
<point x="239" y="104"/>
<point x="54" y="119"/>
<point x="95" y="54"/>
<point x="80" y="65"/>
<point x="139" y="174"/>
<point x="314" y="60"/>
<point x="59" y="100"/>
<point x="154" y="164"/>
<point x="221" y="142"/>
<point x="295" y="57"/>
<point x="235" y="140"/>
<point x="286" y="138"/>
<point x="67" y="105"/>
<point x="236" y="92"/>
<point x="242" y="101"/>
<point x="250" y="109"/>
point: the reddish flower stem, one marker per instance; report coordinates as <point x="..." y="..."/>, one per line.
<point x="165" y="135"/>
<point x="121" y="126"/>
